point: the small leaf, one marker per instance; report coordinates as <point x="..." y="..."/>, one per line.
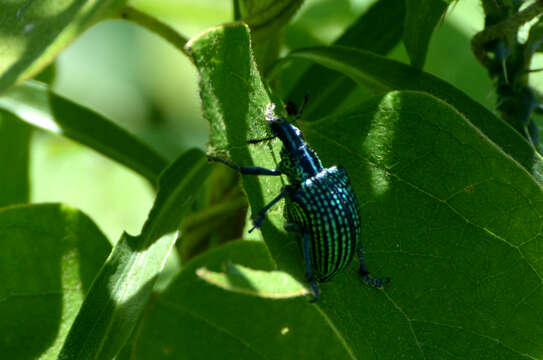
<point x="14" y="159"/>
<point x="378" y="30"/>
<point x="373" y="70"/>
<point x="49" y="256"/>
<point x="244" y="280"/>
<point x="34" y="103"/>
<point x="122" y="288"/>
<point x="420" y="20"/>
<point x="32" y="33"/>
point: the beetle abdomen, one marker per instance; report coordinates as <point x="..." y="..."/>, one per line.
<point x="327" y="210"/>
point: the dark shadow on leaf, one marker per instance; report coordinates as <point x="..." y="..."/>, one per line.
<point x="39" y="245"/>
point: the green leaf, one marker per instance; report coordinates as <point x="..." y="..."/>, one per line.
<point x="188" y="321"/>
<point x="376" y="71"/>
<point x="14" y="159"/>
<point x="244" y="280"/>
<point x="378" y="30"/>
<point x="234" y="102"/>
<point x="32" y="33"/>
<point x="49" y="256"/>
<point x="122" y="288"/>
<point x="452" y="219"/>
<point x="34" y="103"/>
<point x="223" y="59"/>
<point x="420" y="20"/>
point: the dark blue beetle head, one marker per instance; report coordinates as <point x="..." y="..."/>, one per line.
<point x="290" y="135"/>
<point x="298" y="161"/>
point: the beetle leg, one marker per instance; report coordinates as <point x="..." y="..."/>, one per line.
<point x="257" y="222"/>
<point x="308" y="269"/>
<point x="370" y="280"/>
<point x="293" y="227"/>
<point x="248" y="170"/>
<point x="256" y="141"/>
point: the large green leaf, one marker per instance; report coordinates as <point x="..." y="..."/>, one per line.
<point x="453" y="220"/>
<point x="14" y="160"/>
<point x="122" y="288"/>
<point x="36" y="104"/>
<point x="378" y="30"/>
<point x="193" y="319"/>
<point x="420" y="19"/>
<point x="376" y="71"/>
<point x="32" y="33"/>
<point x="49" y="255"/>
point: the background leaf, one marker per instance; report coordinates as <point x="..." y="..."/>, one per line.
<point x="266" y="19"/>
<point x="34" y="103"/>
<point x="421" y="18"/>
<point x="33" y="32"/>
<point x="122" y="288"/>
<point x="378" y="30"/>
<point x="14" y="157"/>
<point x="453" y="220"/>
<point x="376" y="71"/>
<point x="50" y="255"/>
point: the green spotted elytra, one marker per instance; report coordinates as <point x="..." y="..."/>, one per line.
<point x="320" y="204"/>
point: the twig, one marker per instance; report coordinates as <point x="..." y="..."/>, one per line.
<point x="502" y="29"/>
<point x="154" y="25"/>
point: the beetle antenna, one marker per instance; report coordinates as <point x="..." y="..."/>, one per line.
<point x="302" y="108"/>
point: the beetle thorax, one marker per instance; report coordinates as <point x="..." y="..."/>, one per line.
<point x="298" y="161"/>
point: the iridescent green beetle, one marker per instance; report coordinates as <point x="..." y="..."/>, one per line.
<point x="320" y="204"/>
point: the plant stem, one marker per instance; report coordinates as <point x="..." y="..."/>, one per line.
<point x="502" y="29"/>
<point x="154" y="25"/>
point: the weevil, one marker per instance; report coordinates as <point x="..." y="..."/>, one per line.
<point x="320" y="204"/>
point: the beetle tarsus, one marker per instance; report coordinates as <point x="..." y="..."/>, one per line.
<point x="374" y="282"/>
<point x="315" y="288"/>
